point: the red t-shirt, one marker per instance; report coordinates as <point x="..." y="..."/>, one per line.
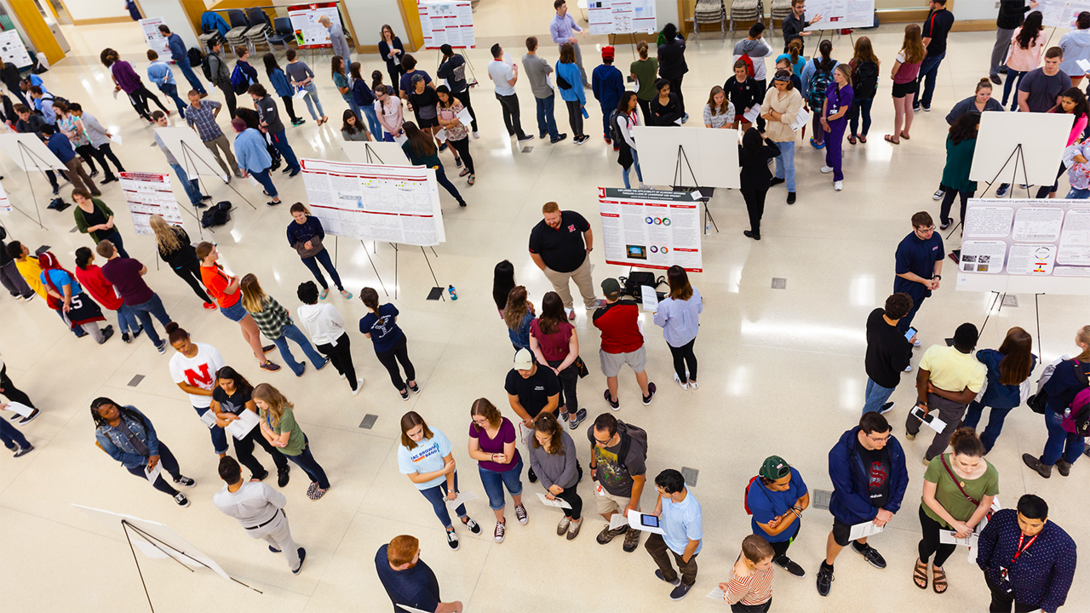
<point x="100" y="289"/>
<point x="620" y="332"/>
<point x="217" y="281"/>
<point x="553" y="346"/>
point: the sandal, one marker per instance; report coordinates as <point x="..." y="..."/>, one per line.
<point x="472" y="179"/>
<point x="904" y="136"/>
<point x="863" y="139"/>
<point x="851" y="140"/>
<point x="919" y="574"/>
<point x="940" y="580"/>
<point x="889" y="139"/>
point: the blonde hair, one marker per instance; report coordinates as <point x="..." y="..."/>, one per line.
<point x="165" y="234"/>
<point x="913" y="45"/>
<point x="517" y="307"/>
<point x="273" y="399"/>
<point x="253" y="298"/>
<point x="1083" y="336"/>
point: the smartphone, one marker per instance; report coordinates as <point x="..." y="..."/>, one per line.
<point x="920" y="415"/>
<point x="650" y="521"/>
<point x="911" y="332"/>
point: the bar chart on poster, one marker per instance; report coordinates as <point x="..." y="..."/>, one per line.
<point x="447" y="23"/>
<point x="621" y="16"/>
<point x="650" y="228"/>
<point x="840" y="14"/>
<point x="149" y="194"/>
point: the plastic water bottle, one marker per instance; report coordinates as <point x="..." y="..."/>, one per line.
<point x="453" y="294"/>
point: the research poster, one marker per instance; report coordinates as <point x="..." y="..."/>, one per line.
<point x="155" y="39"/>
<point x="650" y="228"/>
<point x="447" y="23"/>
<point x="5" y="204"/>
<point x="1036" y="238"/>
<point x="13" y="51"/>
<point x="397" y="204"/>
<point x="149" y="194"/>
<point x="309" y="34"/>
<point x="1062" y="13"/>
<point x="840" y="14"/>
<point x="621" y="16"/>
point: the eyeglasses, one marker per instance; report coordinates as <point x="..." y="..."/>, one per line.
<point x="601" y="442"/>
<point x="480" y="422"/>
<point x="880" y="440"/>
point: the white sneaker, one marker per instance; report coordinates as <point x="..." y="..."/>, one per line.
<point x="644" y="185"/>
<point x="693" y="384"/>
<point x="677" y="379"/>
<point x="939" y="193"/>
<point x="359" y="386"/>
<point x="476" y="135"/>
<point x="826" y="169"/>
<point x="917" y="343"/>
<point x="838" y="185"/>
<point x="908" y="368"/>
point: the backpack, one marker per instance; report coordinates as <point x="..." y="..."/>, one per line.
<point x="865" y="80"/>
<point x="195" y="56"/>
<point x="239" y="81"/>
<point x="614" y="127"/>
<point x="206" y="68"/>
<point x="745" y="496"/>
<point x="1077" y="417"/>
<point x="217" y="215"/>
<point x="749" y="64"/>
<point x="57" y="99"/>
<point x="818" y="84"/>
<point x="628" y="434"/>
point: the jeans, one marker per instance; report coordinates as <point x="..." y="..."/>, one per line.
<point x="12" y="437"/>
<point x="323" y="258"/>
<point x="115" y="238"/>
<point x="494" y="483"/>
<point x="860" y="106"/>
<point x="372" y="121"/>
<point x="291" y="332"/>
<point x="930" y="544"/>
<point x="656" y="546"/>
<point x="1078" y="194"/>
<point x="447" y="185"/>
<point x="391" y="358"/>
<point x="170" y="466"/>
<point x="244" y="449"/>
<point x="639" y="173"/>
<point x="145" y="311"/>
<point x="546" y="120"/>
<point x="126" y="320"/>
<point x="1061" y="444"/>
<point x="171" y="90"/>
<point x="187" y="71"/>
<point x="313" y="101"/>
<point x="510" y="106"/>
<point x="876" y="396"/>
<point x="192" y="187"/>
<point x="218" y="434"/>
<point x="929" y="71"/>
<point x="266" y="181"/>
<point x="575" y="117"/>
<point x="785" y="163"/>
<point x="995" y="423"/>
<point x="1014" y="79"/>
<point x="906" y="321"/>
<point x="280" y="141"/>
<point x="684" y="359"/>
<point x="310" y="466"/>
<point x="341" y="357"/>
<point x="435" y="497"/>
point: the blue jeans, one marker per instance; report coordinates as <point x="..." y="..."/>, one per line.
<point x="447" y="185"/>
<point x="639" y="173"/>
<point x="310" y="466"/>
<point x="1078" y="194"/>
<point x="115" y="238"/>
<point x="170" y="467"/>
<point x="906" y="321"/>
<point x="12" y="437"/>
<point x="546" y="121"/>
<point x="995" y="423"/>
<point x="187" y="70"/>
<point x="493" y="484"/>
<point x="145" y="311"/>
<point x="280" y="141"/>
<point x="860" y="105"/>
<point x="355" y="107"/>
<point x="171" y="90"/>
<point x="266" y="181"/>
<point x="192" y="187"/>
<point x="1012" y="83"/>
<point x="1060" y="443"/>
<point x="323" y="257"/>
<point x="219" y="436"/>
<point x="372" y="121"/>
<point x="126" y="319"/>
<point x="876" y="396"/>
<point x="290" y="331"/>
<point x="387" y="137"/>
<point x="435" y="497"/>
<point x="929" y="71"/>
<point x="785" y="163"/>
<point x="313" y="101"/>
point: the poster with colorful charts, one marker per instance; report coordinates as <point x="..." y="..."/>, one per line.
<point x="621" y="16"/>
<point x="650" y="228"/>
<point x="12" y="49"/>
<point x="149" y="194"/>
<point x="447" y="23"/>
<point x="840" y="14"/>
<point x="1061" y="13"/>
<point x="309" y="34"/>
<point x="155" y="39"/>
<point x="396" y="204"/>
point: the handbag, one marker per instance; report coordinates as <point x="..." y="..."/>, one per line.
<point x="579" y="364"/>
<point x="961" y="489"/>
<point x="562" y="82"/>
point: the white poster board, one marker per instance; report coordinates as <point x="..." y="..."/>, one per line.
<point x="5" y="204"/>
<point x="157" y="42"/>
<point x="309" y="34"/>
<point x="621" y="16"/>
<point x="447" y="22"/>
<point x="1042" y="136"/>
<point x="1061" y="13"/>
<point x="650" y="228"/>
<point x="1031" y="246"/>
<point x="390" y="154"/>
<point x="12" y="49"/>
<point x="149" y="194"/>
<point x="712" y="155"/>
<point x="194" y="158"/>
<point x="397" y="204"/>
<point x="29" y="152"/>
<point x="840" y="14"/>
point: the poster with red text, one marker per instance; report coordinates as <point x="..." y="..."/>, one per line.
<point x="650" y="228"/>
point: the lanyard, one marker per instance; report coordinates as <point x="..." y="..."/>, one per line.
<point x="1021" y="537"/>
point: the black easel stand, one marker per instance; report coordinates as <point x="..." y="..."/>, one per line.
<point x="1018" y="157"/>
<point x="705" y="192"/>
<point x="336" y="249"/>
<point x="437" y="286"/>
<point x="1000" y="297"/>
<point x="191" y="157"/>
<point x="163" y="547"/>
<point x="40" y="164"/>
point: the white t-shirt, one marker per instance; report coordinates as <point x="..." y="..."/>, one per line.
<point x="198" y="372"/>
<point x="501" y="73"/>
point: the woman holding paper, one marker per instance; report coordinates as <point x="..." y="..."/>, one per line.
<point x="391" y="50"/>
<point x="279" y="428"/>
<point x="958" y="490"/>
<point x="302" y="77"/>
<point x="567" y="73"/>
<point x="457" y="135"/>
<point x="388" y="109"/>
<point x="1072" y="102"/>
<point x="492" y="443"/>
<point x="231" y="399"/>
<point x="781" y="108"/>
<point x="554" y="460"/>
<point x="275" y="323"/>
<point x="126" y="435"/>
<point x="306" y="235"/>
<point x="1076" y="47"/>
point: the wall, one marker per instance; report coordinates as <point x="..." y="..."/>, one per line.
<point x="86" y="12"/>
<point x="172" y="14"/>
<point x="965" y="10"/>
<point x="368" y="16"/>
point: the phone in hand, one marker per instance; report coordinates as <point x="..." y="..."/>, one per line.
<point x="911" y="332"/>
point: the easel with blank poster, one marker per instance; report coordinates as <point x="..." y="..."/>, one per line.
<point x="703" y="194"/>
<point x="189" y="156"/>
<point x="196" y="163"/>
<point x="31" y="157"/>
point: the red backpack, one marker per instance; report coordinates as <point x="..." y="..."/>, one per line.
<point x="745" y="497"/>
<point x="749" y="64"/>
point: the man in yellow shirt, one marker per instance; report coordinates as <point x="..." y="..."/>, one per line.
<point x="948" y="379"/>
<point x="32" y="273"/>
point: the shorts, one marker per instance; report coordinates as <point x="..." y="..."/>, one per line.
<point x="841" y="532"/>
<point x="612" y="362"/>
<point x="235" y="312"/>
<point x="900" y="90"/>
<point x="607" y="503"/>
<point x="428" y="123"/>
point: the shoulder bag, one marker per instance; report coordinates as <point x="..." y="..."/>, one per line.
<point x="954" y="477"/>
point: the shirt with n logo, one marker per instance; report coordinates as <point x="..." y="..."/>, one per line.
<point x="198" y="371"/>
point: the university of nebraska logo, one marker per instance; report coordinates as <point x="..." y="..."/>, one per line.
<point x="203" y="380"/>
<point x="571" y="228"/>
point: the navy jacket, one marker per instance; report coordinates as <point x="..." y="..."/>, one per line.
<point x="607" y="83"/>
<point x="361" y="94"/>
<point x="969" y="105"/>
<point x="1042" y="574"/>
<point x="177" y="47"/>
<point x="997" y="395"/>
<point x="1062" y="387"/>
<point x="299" y="233"/>
<point x="851" y="501"/>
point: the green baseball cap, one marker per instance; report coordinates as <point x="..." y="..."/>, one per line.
<point x="775" y="467"/>
<point x="611" y="286"/>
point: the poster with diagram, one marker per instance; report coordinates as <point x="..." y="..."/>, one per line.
<point x="651" y="228"/>
<point x="447" y="23"/>
<point x="396" y="204"/>
<point x="1061" y="13"/>
<point x="155" y="39"/>
<point x="621" y="16"/>
<point x="149" y="194"/>
<point x="13" y="51"/>
<point x="309" y="34"/>
<point x="840" y="14"/>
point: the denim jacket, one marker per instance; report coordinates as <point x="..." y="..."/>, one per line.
<point x="117" y="445"/>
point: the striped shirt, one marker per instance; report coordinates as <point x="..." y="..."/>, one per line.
<point x="752" y="590"/>
<point x="272" y="319"/>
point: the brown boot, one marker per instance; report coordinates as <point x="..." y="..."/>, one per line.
<point x="1063" y="467"/>
<point x="1032" y="461"/>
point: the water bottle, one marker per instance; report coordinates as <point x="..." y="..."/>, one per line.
<point x="453" y="294"/>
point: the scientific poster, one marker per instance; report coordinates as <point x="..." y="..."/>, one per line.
<point x="309" y="34"/>
<point x="155" y="39"/>
<point x="1062" y="13"/>
<point x="840" y="14"/>
<point x="149" y="194"/>
<point x="5" y="204"/>
<point x="650" y="228"/>
<point x="621" y="16"/>
<point x="12" y="49"/>
<point x="1036" y="238"/>
<point x="447" y="23"/>
<point x="397" y="204"/>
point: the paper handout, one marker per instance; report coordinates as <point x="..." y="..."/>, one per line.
<point x="931" y="419"/>
<point x="465" y="117"/>
<point x="650" y="298"/>
<point x="299" y="95"/>
<point x="752" y="113"/>
<point x="617" y="520"/>
<point x="558" y="503"/>
<point x="19" y="408"/>
<point x="802" y="119"/>
<point x="241" y="427"/>
<point x="717" y="594"/>
<point x="462" y="497"/>
<point x="864" y="530"/>
<point x="153" y="474"/>
<point x="645" y="522"/>
<point x="948" y="537"/>
<point x="209" y="419"/>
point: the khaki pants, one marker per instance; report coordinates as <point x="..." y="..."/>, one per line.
<point x="277" y="534"/>
<point x="79" y="177"/>
<point x="221" y="143"/>
<point x="582" y="279"/>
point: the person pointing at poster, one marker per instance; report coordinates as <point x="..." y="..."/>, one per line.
<point x="337" y="38"/>
<point x="794" y="26"/>
<point x="563" y="30"/>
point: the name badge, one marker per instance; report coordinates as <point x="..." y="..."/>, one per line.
<point x="598" y="488"/>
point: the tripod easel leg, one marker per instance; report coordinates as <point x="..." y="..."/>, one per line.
<point x="373" y="267"/>
<point x="432" y="272"/>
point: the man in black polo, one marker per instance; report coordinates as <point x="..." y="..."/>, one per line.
<point x="794" y="26"/>
<point x="935" y="30"/>
<point x="531" y="392"/>
<point x="557" y="247"/>
<point x="919" y="265"/>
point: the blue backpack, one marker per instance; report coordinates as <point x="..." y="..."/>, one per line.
<point x="819" y="82"/>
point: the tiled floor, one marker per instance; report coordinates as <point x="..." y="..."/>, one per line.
<point x="782" y="373"/>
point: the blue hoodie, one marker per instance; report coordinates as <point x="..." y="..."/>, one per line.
<point x="851" y="501"/>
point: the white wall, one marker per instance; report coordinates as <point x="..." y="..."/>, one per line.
<point x="368" y="16"/>
<point x="666" y="12"/>
<point x="172" y="14"/>
<point x="95" y="9"/>
<point x="974" y="9"/>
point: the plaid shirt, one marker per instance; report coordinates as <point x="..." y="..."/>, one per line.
<point x="272" y="319"/>
<point x="204" y="118"/>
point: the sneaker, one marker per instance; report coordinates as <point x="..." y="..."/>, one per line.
<point x="526" y="137"/>
<point x="644" y="185"/>
<point x="531" y="476"/>
<point x="29" y="418"/>
<point x="693" y="384"/>
<point x="298" y="122"/>
<point x="562" y="527"/>
<point x="273" y="549"/>
<point x="302" y="557"/>
<point x="497" y="535"/>
<point x="676" y="581"/>
<point x="458" y="161"/>
<point x="685" y="118"/>
<point x="826" y="169"/>
<point x="573" y="529"/>
<point x="347" y="295"/>
<point x="359" y="386"/>
<point x="476" y="134"/>
<point x="270" y="366"/>
<point x="186" y="481"/>
<point x="181" y="500"/>
<point x="107" y="332"/>
<point x="776" y="181"/>
<point x="939" y="193"/>
<point x="24" y="451"/>
<point x="613" y="404"/>
<point x="520" y="513"/>
<point x="915" y="108"/>
<point x="790" y="566"/>
<point x="139" y="331"/>
<point x="824" y="579"/>
<point x="870" y="554"/>
<point x="945" y="224"/>
<point x="680" y="592"/>
<point x="631" y="541"/>
<point x="94" y="173"/>
<point x="254" y="477"/>
<point x="838" y="185"/>
<point x="318" y="493"/>
<point x="125" y="337"/>
<point x="580" y="415"/>
<point x="161" y="347"/>
<point x="917" y="343"/>
<point x="651" y="389"/>
<point x="559" y="137"/>
<point x="1063" y="467"/>
<point x="677" y="380"/>
<point x="607" y="535"/>
<point x="1002" y="191"/>
<point x="452" y="540"/>
<point x="926" y="108"/>
<point x="282" y="477"/>
<point x="310" y="490"/>
<point x="404" y="394"/>
<point x="886" y="408"/>
<point x="414" y="387"/>
<point x="579" y="140"/>
<point x="790" y="197"/>
<point x="1035" y="463"/>
<point x="473" y="526"/>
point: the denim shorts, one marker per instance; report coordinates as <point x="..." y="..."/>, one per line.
<point x="235" y="312"/>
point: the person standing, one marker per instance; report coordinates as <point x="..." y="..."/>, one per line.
<point x="906" y="68"/>
<point x="125" y="78"/>
<point x="447" y="110"/>
<point x="865" y="72"/>
<point x="9" y="273"/>
<point x="407" y="579"/>
<point x="607" y="84"/>
<point x="176" y="250"/>
<point x="221" y="74"/>
<point x="794" y="26"/>
<point x="960" y="146"/>
<point x="419" y="147"/>
<point x="555" y="343"/>
<point x="68" y="124"/>
<point x="254" y="159"/>
<point x="1063" y="446"/>
<point x="274" y="321"/>
<point x="618" y="462"/>
<point x="888" y="352"/>
<point x="32" y="123"/>
<point x="100" y="140"/>
<point x="749" y="587"/>
<point x="127" y="276"/>
<point x="453" y="69"/>
<point x="180" y="57"/>
<point x="96" y="219"/>
<point x="817" y="77"/>
<point x="12" y="438"/>
<point x="1042" y="88"/>
<point x="306" y="236"/>
<point x="776" y="498"/>
<point x="781" y="107"/>
<point x="65" y="296"/>
<point x="504" y="76"/>
<point x="380" y="325"/>
<point x="325" y="326"/>
<point x="572" y="94"/>
<point x="270" y="123"/>
<point x="756" y="49"/>
<point x="1076" y="46"/>
<point x="1026" y="45"/>
<point x="91" y="279"/>
<point x="532" y="390"/>
<point x="627" y="156"/>
<point x="492" y="443"/>
<point x="753" y="156"/>
<point x="553" y="458"/>
<point x="919" y="266"/>
<point x="1036" y="579"/>
<point x="935" y="30"/>
<point x="201" y="116"/>
<point x="302" y="77"/>
<point x="538" y="71"/>
<point x="192" y="186"/>
<point x="282" y="87"/>
<point x="679" y="317"/>
<point x="560" y="245"/>
<point x="62" y="148"/>
<point x="644" y="71"/>
<point x="162" y="76"/>
<point x="389" y="113"/>
<point x="28" y="267"/>
<point x="231" y="397"/>
<point x="337" y="39"/>
<point x="14" y="394"/>
<point x="1009" y="368"/>
<point x="563" y="29"/>
<point x="518" y="314"/>
<point x="391" y="50"/>
<point x="193" y="369"/>
<point x="281" y="430"/>
<point x="1011" y="13"/>
<point x="672" y="66"/>
<point x="682" y="535"/>
<point x="838" y="101"/>
<point x="260" y="510"/>
<point x="867" y="468"/>
<point x="622" y="342"/>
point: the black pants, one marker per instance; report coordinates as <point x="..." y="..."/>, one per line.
<point x="511" y="113"/>
<point x="1044" y="190"/>
<point x="289" y="106"/>
<point x="755" y="205"/>
<point x="244" y="449"/>
<point x="140" y="98"/>
<point x="390" y="359"/>
<point x="1002" y="601"/>
<point x="684" y="358"/>
<point x="780" y="549"/>
<point x="930" y="544"/>
<point x="948" y="202"/>
<point x="103" y="153"/>
<point x="571" y="496"/>
<point x="87" y="152"/>
<point x="762" y="85"/>
<point x="341" y="357"/>
<point x="569" y="381"/>
<point x="170" y="466"/>
<point x="751" y="608"/>
<point x="395" y="77"/>
<point x="229" y="96"/>
<point x="463" y="97"/>
<point x="575" y="117"/>
<point x="645" y="106"/>
<point x="462" y="147"/>
<point x="675" y="88"/>
<point x="13" y="393"/>
<point x="191" y="274"/>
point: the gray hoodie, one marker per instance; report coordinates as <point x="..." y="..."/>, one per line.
<point x="1076" y="46"/>
<point x="756" y="50"/>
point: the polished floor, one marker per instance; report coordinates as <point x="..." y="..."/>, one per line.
<point x="781" y="373"/>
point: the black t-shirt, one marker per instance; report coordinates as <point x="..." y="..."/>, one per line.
<point x="416" y="587"/>
<point x="454" y="71"/>
<point x="878" y="469"/>
<point x="937" y="27"/>
<point x="743" y="95"/>
<point x="233" y="403"/>
<point x="95" y="218"/>
<point x="888" y="351"/>
<point x="533" y="392"/>
<point x="563" y="250"/>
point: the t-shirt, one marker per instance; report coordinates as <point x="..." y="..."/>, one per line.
<point x="1043" y="89"/>
<point x="426" y="457"/>
<point x="563" y="249"/>
<point x="415" y="587"/>
<point x="501" y="73"/>
<point x="31" y="273"/>
<point x="199" y="371"/>
<point x="495" y="445"/>
<point x="952" y="370"/>
<point x="124" y="274"/>
<point x="216" y="281"/>
<point x="537" y="72"/>
<point x="266" y="109"/>
<point x="553" y="346"/>
<point x="646" y="72"/>
<point x="534" y="391"/>
<point x="917" y="256"/>
<point x="937" y="27"/>
<point x="767" y="505"/>
<point x="613" y="477"/>
<point x="406" y="83"/>
<point x="950" y="497"/>
<point x="619" y="323"/>
<point x="340" y="80"/>
<point x="682" y="522"/>
<point x="383" y="328"/>
<point x="888" y="351"/>
<point x="879" y="469"/>
<point x="287" y="423"/>
<point x="60" y="278"/>
<point x="231" y="403"/>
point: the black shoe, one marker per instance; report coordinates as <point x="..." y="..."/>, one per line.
<point x="273" y="549"/>
<point x="94" y="173"/>
<point x="558" y="138"/>
<point x="125" y="337"/>
<point x="286" y="170"/>
<point x="294" y="172"/>
<point x="776" y="181"/>
<point x="414" y="387"/>
<point x="526" y="137"/>
<point x="531" y="475"/>
<point x="260" y="477"/>
<point x="109" y="179"/>
<point x="298" y="122"/>
<point x="790" y="566"/>
<point x="29" y="418"/>
<point x="870" y="554"/>
<point x="1002" y="70"/>
<point x="302" y="558"/>
<point x="613" y="404"/>
<point x="752" y="235"/>
<point x="824" y="579"/>
<point x="790" y="197"/>
<point x="136" y="335"/>
<point x="580" y="415"/>
<point x="995" y="79"/>
<point x="282" y="476"/>
<point x="107" y="333"/>
<point x="56" y="189"/>
<point x="23" y="452"/>
<point x="650" y="395"/>
<point x="206" y="198"/>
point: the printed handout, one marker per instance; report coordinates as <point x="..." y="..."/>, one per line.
<point x="863" y="530"/>
<point x="558" y="503"/>
<point x="247" y="421"/>
<point x="462" y="497"/>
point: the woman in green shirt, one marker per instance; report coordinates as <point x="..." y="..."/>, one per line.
<point x="95" y="218"/>
<point x="644" y="71"/>
<point x="958" y="491"/>
<point x="343" y="83"/>
<point x="279" y="427"/>
<point x="421" y="151"/>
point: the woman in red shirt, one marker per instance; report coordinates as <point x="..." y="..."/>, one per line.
<point x="225" y="289"/>
<point x="90" y="277"/>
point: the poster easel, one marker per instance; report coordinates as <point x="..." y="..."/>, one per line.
<point x="190" y="156"/>
<point x="703" y="197"/>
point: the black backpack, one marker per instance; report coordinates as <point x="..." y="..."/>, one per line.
<point x="615" y="128"/>
<point x="56" y="99"/>
<point x="218" y="215"/>
<point x="206" y="68"/>
<point x="628" y="434"/>
<point x="865" y="80"/>
<point x="195" y="56"/>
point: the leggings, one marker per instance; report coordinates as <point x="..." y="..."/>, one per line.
<point x="948" y="201"/>
<point x="447" y="185"/>
<point x="191" y="274"/>
<point x="462" y="147"/>
<point x="930" y="544"/>
<point x="1043" y="191"/>
<point x="571" y="496"/>
<point x="675" y="88"/>
<point x="575" y="117"/>
<point x="290" y="107"/>
<point x="323" y="258"/>
<point x="390" y="359"/>
<point x="463" y="97"/>
<point x="244" y="449"/>
<point x="341" y="356"/>
<point x="170" y="466"/>
<point x="683" y="356"/>
<point x="87" y="152"/>
<point x="569" y="381"/>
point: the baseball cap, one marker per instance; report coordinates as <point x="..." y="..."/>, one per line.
<point x="524" y="360"/>
<point x="607" y="53"/>
<point x="774" y="467"/>
<point x="611" y="287"/>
